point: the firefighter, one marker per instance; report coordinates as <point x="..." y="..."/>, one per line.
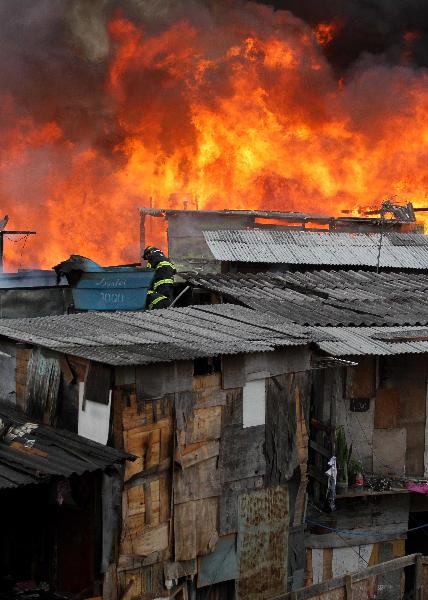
<point x="160" y="294"/>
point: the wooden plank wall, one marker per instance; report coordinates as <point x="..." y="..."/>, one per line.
<point x="194" y="461"/>
<point x="197" y="484"/>
<point x="147" y="430"/>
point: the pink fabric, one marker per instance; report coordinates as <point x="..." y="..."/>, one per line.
<point x="419" y="488"/>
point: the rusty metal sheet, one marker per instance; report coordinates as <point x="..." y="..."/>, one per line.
<point x="262" y="549"/>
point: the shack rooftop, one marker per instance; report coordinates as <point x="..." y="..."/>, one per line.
<point x="138" y="338"/>
<point x="335" y="298"/>
<point x="142" y="338"/>
<point x="390" y="250"/>
<point x="31" y="452"/>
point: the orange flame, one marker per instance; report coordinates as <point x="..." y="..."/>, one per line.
<point x="247" y="114"/>
<point x="324" y="32"/>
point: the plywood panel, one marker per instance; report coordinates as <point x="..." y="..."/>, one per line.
<point x="361" y="380"/>
<point x="387" y="409"/>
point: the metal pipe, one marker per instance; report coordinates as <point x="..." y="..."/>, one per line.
<point x="174" y="302"/>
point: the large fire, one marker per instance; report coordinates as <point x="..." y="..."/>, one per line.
<point x="241" y="112"/>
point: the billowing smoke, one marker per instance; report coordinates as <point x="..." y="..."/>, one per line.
<point x="106" y="105"/>
<point x="386" y="29"/>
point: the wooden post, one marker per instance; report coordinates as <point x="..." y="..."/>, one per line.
<point x="142" y="234"/>
<point x="1" y="251"/>
<point x="419" y="579"/>
<point x="348" y="587"/>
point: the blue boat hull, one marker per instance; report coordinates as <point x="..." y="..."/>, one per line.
<point x="120" y="288"/>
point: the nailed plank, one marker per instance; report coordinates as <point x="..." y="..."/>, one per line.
<point x="313" y="591"/>
<point x="211" y="397"/>
<point x="164" y="498"/>
<point x="207" y="530"/>
<point x="185" y="531"/>
<point x="195" y="453"/>
<point x="201" y="480"/>
<point x="147" y="541"/>
<point x="205" y="425"/>
<point x="135" y="500"/>
<point x="204" y="382"/>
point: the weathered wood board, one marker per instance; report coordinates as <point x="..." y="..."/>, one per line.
<point x="237" y="443"/>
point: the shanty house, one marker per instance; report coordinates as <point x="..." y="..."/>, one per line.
<point x="55" y="493"/>
<point x="379" y="403"/>
<point x="213" y="401"/>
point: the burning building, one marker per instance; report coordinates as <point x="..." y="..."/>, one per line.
<point x="238" y="104"/>
<point x="265" y="133"/>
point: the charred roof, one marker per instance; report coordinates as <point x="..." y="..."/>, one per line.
<point x="32" y="453"/>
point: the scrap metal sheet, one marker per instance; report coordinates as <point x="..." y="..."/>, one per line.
<point x="263" y="521"/>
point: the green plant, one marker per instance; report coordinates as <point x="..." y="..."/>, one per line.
<point x="355" y="468"/>
<point x="343" y="457"/>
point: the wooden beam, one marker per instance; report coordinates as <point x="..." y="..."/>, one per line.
<point x="419" y="579"/>
<point x="340" y="582"/>
<point x="320" y="449"/>
<point x="348" y="587"/>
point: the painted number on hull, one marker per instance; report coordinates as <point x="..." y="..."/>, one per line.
<point x="112" y="297"/>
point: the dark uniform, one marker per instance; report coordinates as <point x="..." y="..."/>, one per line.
<point x="160" y="294"/>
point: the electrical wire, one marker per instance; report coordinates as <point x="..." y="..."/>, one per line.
<point x="351" y="533"/>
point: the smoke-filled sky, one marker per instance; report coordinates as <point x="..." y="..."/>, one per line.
<point x="377" y="27"/>
<point x="303" y="105"/>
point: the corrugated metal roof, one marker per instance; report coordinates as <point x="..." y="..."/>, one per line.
<point x="398" y="250"/>
<point x="328" y="297"/>
<point x="136" y="338"/>
<point x="31" y="452"/>
<point x="376" y="341"/>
